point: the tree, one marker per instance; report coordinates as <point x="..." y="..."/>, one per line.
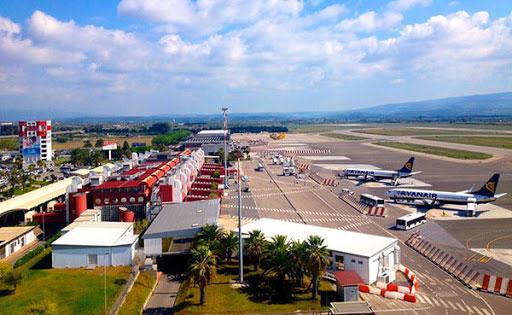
<point x="126" y="149"/>
<point x="160" y="128"/>
<point x="278" y="258"/>
<point x="318" y="260"/>
<point x="79" y="156"/>
<point x="99" y="143"/>
<point x="13" y="278"/>
<point x="95" y="158"/>
<point x="229" y="244"/>
<point x="299" y="260"/>
<point x="202" y="269"/>
<point x="87" y="144"/>
<point x="210" y="236"/>
<point x="255" y="247"/>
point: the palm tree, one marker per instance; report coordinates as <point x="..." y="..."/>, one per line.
<point x="318" y="260"/>
<point x="202" y="269"/>
<point x="210" y="236"/>
<point x="278" y="258"/>
<point x="229" y="244"/>
<point x="299" y="259"/>
<point x="255" y="247"/>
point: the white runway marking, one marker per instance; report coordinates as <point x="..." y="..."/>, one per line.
<point x="326" y="158"/>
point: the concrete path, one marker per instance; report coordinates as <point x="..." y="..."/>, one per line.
<point x="162" y="299"/>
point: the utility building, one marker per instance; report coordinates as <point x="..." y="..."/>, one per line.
<point x="92" y="244"/>
<point x="373" y="257"/>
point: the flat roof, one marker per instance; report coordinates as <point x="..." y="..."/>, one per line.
<point x="211" y="132"/>
<point x="355" y="243"/>
<point x="341" y="308"/>
<point x="101" y="234"/>
<point x="184" y="219"/>
<point x="9" y="233"/>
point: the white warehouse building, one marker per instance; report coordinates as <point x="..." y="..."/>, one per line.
<point x="91" y="244"/>
<point x="373" y="257"/>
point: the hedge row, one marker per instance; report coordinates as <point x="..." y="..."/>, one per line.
<point x="25" y="259"/>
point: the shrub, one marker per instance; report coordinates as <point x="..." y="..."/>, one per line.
<point x="52" y="239"/>
<point x="25" y="259"/>
<point x="216" y="174"/>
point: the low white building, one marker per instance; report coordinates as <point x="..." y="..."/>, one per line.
<point x="373" y="257"/>
<point x="91" y="244"/>
<point x="13" y="239"/>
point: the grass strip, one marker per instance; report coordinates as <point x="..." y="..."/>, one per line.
<point x="343" y="137"/>
<point x="137" y="296"/>
<point x="451" y="153"/>
<point x="495" y="142"/>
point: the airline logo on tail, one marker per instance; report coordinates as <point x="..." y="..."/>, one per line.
<point x="491" y="187"/>
<point x="408" y="166"/>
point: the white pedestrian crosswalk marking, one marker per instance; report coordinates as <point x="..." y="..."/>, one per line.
<point x="485" y="311"/>
<point x="451" y="305"/>
<point x="444" y="304"/>
<point x="460" y="306"/>
<point x="420" y="298"/>
<point x="427" y="299"/>
<point x="478" y="311"/>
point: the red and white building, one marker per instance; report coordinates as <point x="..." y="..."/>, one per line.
<point x="35" y="141"/>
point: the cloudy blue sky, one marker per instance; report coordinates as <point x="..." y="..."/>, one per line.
<point x="144" y="57"/>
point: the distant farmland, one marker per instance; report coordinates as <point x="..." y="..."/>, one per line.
<point x="79" y="143"/>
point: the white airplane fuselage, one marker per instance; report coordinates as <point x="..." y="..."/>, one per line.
<point x="434" y="196"/>
<point x="375" y="174"/>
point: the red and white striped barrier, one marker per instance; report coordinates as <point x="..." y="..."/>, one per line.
<point x="330" y="182"/>
<point x="412" y="278"/>
<point x="304" y="166"/>
<point x="377" y="211"/>
<point x="497" y="285"/>
<point x="387" y="294"/>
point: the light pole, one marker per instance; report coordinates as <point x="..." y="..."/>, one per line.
<point x="240" y="240"/>
<point x="225" y="111"/>
<point x="105" y="280"/>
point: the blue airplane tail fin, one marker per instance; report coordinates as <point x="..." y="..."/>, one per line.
<point x="489" y="189"/>
<point x="407" y="168"/>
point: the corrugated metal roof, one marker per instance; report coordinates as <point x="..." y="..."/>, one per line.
<point x="183" y="219"/>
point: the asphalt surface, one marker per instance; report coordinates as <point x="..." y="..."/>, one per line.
<point x="286" y="198"/>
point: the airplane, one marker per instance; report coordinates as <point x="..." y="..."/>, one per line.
<point x="432" y="197"/>
<point x="366" y="175"/>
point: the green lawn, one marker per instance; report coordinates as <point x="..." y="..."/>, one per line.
<point x="417" y="131"/>
<point x="62" y="291"/>
<point x="137" y="296"/>
<point x="343" y="137"/>
<point x="222" y="298"/>
<point x="496" y="142"/>
<point x="452" y="153"/>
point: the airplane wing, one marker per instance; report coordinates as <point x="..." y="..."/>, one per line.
<point x="499" y="195"/>
<point x="466" y="191"/>
<point x="415" y="173"/>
